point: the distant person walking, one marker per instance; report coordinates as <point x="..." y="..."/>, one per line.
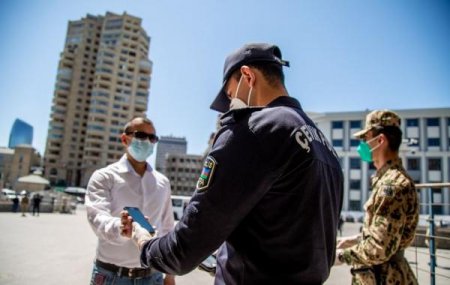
<point x="15" y="204"/>
<point x="36" y="203"/>
<point x="24" y="204"/>
<point x="341" y="223"/>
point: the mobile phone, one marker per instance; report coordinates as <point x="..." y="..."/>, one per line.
<point x="209" y="264"/>
<point x="138" y="217"/>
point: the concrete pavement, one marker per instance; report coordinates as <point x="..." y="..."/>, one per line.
<point x="55" y="249"/>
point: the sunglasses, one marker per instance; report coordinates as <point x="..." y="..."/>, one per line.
<point x="143" y="136"/>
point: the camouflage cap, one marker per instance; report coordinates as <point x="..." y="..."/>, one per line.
<point x="377" y="119"/>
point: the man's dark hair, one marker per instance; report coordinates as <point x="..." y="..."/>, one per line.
<point x="272" y="72"/>
<point x="127" y="127"/>
<point x="393" y="134"/>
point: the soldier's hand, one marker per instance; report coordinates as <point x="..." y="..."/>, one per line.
<point x="346" y="242"/>
<point x="338" y="260"/>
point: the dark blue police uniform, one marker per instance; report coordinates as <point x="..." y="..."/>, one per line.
<point x="272" y="189"/>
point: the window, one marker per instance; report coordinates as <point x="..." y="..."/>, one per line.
<point x="355" y="184"/>
<point x="413" y="141"/>
<point x="354" y="205"/>
<point x="434" y="164"/>
<point x="412" y="122"/>
<point x="355" y="124"/>
<point x="437" y="207"/>
<point x="434" y="142"/>
<point x="413" y="163"/>
<point x="337" y="143"/>
<point x="337" y="124"/>
<point x="433" y="122"/>
<point x="355" y="163"/>
<point x="354" y="143"/>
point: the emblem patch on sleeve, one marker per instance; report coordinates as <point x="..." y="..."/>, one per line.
<point x="207" y="173"/>
<point x="388" y="191"/>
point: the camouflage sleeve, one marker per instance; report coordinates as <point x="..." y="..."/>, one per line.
<point x="383" y="235"/>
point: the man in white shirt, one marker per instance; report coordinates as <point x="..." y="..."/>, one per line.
<point x="131" y="181"/>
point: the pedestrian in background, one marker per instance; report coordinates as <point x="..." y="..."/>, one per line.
<point x="24" y="204"/>
<point x="36" y="203"/>
<point x="392" y="211"/>
<point x="131" y="181"/>
<point x="15" y="204"/>
<point x="270" y="192"/>
<point x="340" y="225"/>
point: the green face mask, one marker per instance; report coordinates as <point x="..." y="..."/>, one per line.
<point x="364" y="150"/>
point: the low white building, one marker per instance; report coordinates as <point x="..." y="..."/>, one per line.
<point x="32" y="183"/>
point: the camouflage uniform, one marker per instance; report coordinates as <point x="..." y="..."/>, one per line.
<point x="392" y="214"/>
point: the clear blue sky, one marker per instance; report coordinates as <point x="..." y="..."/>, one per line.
<point x="345" y="55"/>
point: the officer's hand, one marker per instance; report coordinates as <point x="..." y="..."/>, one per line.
<point x="346" y="242"/>
<point x="140" y="235"/>
<point x="337" y="260"/>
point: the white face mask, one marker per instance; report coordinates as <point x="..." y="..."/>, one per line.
<point x="140" y="150"/>
<point x="237" y="103"/>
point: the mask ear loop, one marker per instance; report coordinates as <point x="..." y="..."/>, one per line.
<point x="249" y="96"/>
<point x="237" y="89"/>
<point x="372" y="139"/>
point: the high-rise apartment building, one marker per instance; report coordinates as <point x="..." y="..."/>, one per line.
<point x="102" y="82"/>
<point x="168" y="145"/>
<point x="21" y="133"/>
<point x="183" y="171"/>
<point x="425" y="152"/>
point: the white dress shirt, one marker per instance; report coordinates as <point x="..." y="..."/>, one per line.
<point x="112" y="188"/>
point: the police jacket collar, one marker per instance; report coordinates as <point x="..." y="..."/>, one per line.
<point x="285" y="101"/>
<point x="277" y="102"/>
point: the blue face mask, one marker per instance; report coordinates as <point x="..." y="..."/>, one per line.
<point x="364" y="150"/>
<point x="140" y="150"/>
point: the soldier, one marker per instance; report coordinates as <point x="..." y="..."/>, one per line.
<point x="377" y="257"/>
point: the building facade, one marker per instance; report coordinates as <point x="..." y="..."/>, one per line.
<point x="168" y="145"/>
<point x="183" y="171"/>
<point x="17" y="162"/>
<point x="425" y="152"/>
<point x="102" y="82"/>
<point x="21" y="133"/>
<point x="6" y="157"/>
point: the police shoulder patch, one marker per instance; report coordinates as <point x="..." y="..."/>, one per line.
<point x="207" y="173"/>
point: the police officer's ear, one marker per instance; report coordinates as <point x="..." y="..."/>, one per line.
<point x="249" y="75"/>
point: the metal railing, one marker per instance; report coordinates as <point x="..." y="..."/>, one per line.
<point x="431" y="237"/>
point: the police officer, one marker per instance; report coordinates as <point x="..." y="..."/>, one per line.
<point x="392" y="210"/>
<point x="270" y="192"/>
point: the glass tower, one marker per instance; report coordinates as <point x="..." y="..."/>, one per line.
<point x="21" y="133"/>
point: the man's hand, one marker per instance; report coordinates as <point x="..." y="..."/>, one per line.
<point x="338" y="258"/>
<point x="346" y="242"/>
<point x="126" y="224"/>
